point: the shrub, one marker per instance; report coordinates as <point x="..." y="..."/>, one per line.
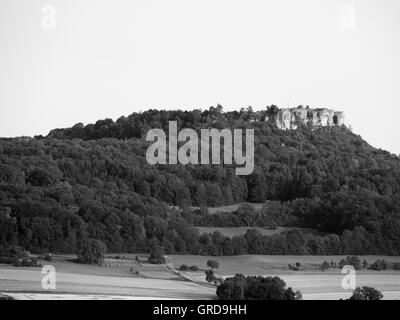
<point x="396" y="266"/>
<point x="48" y="257"/>
<point x="26" y="262"/>
<point x="325" y="266"/>
<point x="194" y="268"/>
<point x="7" y="260"/>
<point x="184" y="267"/>
<point x="293" y="268"/>
<point x="379" y="265"/>
<point x="91" y="251"/>
<point x="210" y="277"/>
<point x="351" y="261"/>
<point x="17" y="252"/>
<point x="212" y="264"/>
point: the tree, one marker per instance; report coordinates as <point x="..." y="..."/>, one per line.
<point x="366" y="293"/>
<point x="210" y="277"/>
<point x="233" y="289"/>
<point x="39" y="177"/>
<point x="352" y="261"/>
<point x="184" y="267"/>
<point x="379" y="265"/>
<point x="212" y="264"/>
<point x="157" y="255"/>
<point x="91" y="251"/>
<point x="256" y="288"/>
<point x="8" y="232"/>
<point x="325" y="266"/>
<point x="194" y="268"/>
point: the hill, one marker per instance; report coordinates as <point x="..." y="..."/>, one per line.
<point x="94" y="181"/>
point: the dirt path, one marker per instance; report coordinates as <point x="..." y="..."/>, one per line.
<point x="186" y="275"/>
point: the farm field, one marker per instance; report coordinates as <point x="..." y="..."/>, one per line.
<point x="271" y="265"/>
<point x="225" y="209"/>
<point x="76" y="281"/>
<point x="26" y="283"/>
<point x="307" y="233"/>
<point x="311" y="281"/>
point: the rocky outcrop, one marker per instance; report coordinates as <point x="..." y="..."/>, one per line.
<point x="294" y="117"/>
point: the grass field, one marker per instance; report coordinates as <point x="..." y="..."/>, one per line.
<point x="307" y="233"/>
<point x="311" y="281"/>
<point x="91" y="281"/>
<point x="76" y="281"/>
<point x="225" y="209"/>
<point x="271" y="265"/>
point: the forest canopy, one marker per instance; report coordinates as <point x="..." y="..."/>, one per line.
<point x="93" y="182"/>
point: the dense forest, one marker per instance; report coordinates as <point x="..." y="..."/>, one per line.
<point x="94" y="182"/>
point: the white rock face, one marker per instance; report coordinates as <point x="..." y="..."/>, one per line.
<point x="338" y="118"/>
<point x="291" y="118"/>
<point x="284" y="119"/>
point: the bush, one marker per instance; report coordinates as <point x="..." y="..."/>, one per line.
<point x="325" y="265"/>
<point x="194" y="268"/>
<point x="92" y="251"/>
<point x="366" y="293"/>
<point x="293" y="268"/>
<point x="351" y="261"/>
<point x="184" y="267"/>
<point x="255" y="288"/>
<point x="396" y="266"/>
<point x="210" y="277"/>
<point x="379" y="265"/>
<point x="212" y="264"/>
<point x="48" y="257"/>
<point x="17" y="252"/>
<point x="26" y="262"/>
<point x="7" y="260"/>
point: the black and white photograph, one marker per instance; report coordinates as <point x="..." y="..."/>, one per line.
<point x="219" y="151"/>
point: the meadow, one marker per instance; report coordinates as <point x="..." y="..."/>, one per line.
<point x="76" y="281"/>
<point x="230" y="232"/>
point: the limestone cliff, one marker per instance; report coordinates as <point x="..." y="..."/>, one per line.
<point x="291" y="118"/>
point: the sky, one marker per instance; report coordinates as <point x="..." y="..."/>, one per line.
<point x="69" y="61"/>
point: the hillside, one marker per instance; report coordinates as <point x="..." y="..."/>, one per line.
<point x="93" y="181"/>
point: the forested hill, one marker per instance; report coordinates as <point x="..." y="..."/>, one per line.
<point x="94" y="181"/>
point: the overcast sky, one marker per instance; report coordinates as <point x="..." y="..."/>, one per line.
<point x="107" y="58"/>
